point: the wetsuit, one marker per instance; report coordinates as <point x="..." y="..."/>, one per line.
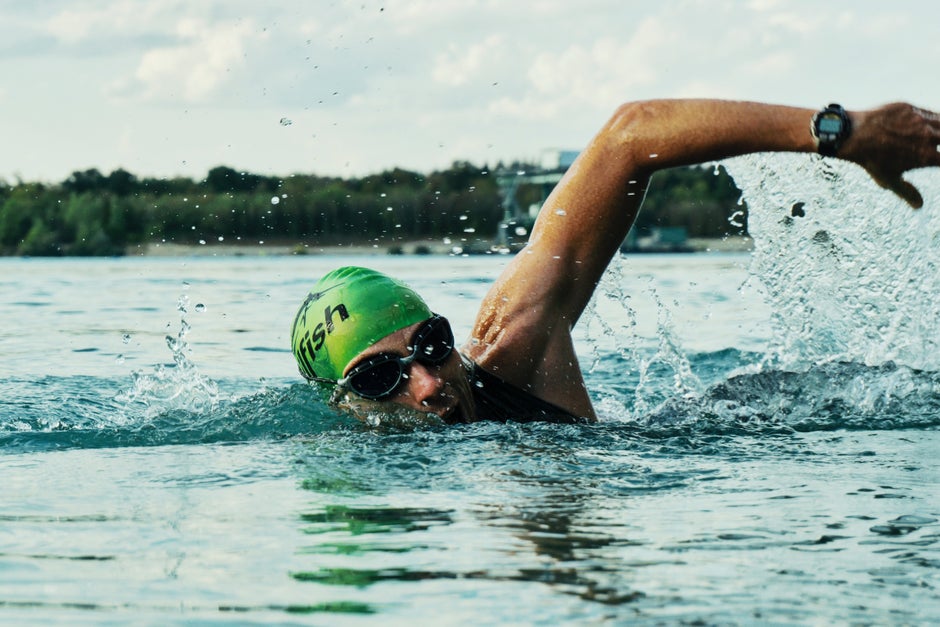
<point x="501" y="401"/>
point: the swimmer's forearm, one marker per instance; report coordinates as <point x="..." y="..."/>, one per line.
<point x="649" y="136"/>
<point x="659" y="134"/>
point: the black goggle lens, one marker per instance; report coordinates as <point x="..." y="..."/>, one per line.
<point x="381" y="375"/>
<point x="433" y="341"/>
<point x="377" y="379"/>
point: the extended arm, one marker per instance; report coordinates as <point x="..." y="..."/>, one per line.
<point x="523" y="328"/>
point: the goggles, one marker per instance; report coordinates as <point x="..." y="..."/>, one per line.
<point x="381" y="375"/>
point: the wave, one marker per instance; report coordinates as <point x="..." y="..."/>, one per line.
<point x="78" y="412"/>
<point x="91" y="412"/>
<point x="825" y="397"/>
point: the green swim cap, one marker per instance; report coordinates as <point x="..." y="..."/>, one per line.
<point x="347" y="311"/>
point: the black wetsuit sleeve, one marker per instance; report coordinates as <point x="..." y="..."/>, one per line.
<point x="501" y="401"/>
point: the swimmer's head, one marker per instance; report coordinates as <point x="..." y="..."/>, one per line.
<point x="346" y="312"/>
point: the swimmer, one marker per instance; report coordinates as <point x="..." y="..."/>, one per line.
<point x="375" y="341"/>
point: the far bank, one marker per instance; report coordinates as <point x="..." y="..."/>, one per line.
<point x="730" y="244"/>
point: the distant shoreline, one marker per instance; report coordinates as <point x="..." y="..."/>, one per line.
<point x="736" y="244"/>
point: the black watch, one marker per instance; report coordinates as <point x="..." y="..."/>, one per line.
<point x="831" y="127"/>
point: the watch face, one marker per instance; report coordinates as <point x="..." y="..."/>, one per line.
<point x="830" y="127"/>
<point x="830" y="124"/>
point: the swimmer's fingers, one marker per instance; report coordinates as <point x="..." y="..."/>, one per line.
<point x="902" y="188"/>
<point x="893" y="139"/>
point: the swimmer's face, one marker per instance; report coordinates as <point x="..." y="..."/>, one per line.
<point x="442" y="389"/>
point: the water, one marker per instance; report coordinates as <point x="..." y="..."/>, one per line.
<point x="766" y="452"/>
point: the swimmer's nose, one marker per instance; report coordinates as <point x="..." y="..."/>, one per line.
<point x="424" y="384"/>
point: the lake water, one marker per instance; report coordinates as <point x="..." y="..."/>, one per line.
<point x="767" y="451"/>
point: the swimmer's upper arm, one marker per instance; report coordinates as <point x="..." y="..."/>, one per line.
<point x="589" y="213"/>
<point x="523" y="329"/>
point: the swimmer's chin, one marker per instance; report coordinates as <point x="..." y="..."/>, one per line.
<point x="376" y="414"/>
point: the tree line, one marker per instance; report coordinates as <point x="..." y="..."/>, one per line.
<point x="91" y="213"/>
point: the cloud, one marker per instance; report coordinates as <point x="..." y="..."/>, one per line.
<point x="415" y="82"/>
<point x="595" y="76"/>
<point x="462" y="64"/>
<point x="121" y="19"/>
<point x="203" y="58"/>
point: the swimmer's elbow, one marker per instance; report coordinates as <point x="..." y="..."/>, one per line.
<point x="629" y="122"/>
<point x="628" y="130"/>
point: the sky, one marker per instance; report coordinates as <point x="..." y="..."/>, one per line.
<point x="168" y="88"/>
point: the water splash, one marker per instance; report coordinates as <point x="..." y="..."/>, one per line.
<point x="849" y="273"/>
<point x="180" y="387"/>
<point x="850" y="270"/>
<point x="642" y="364"/>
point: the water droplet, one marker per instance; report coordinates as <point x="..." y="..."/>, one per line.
<point x="654" y="155"/>
<point x="200" y="308"/>
<point x="286" y="122"/>
<point x="520" y="231"/>
<point x="561" y="212"/>
<point x="275" y="200"/>
<point x="202" y="242"/>
<point x="126" y="338"/>
<point x="119" y="359"/>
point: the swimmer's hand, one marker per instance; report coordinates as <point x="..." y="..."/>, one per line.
<point x="889" y="141"/>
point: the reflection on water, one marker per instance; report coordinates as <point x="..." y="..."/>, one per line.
<point x="547" y="549"/>
<point x="358" y="520"/>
